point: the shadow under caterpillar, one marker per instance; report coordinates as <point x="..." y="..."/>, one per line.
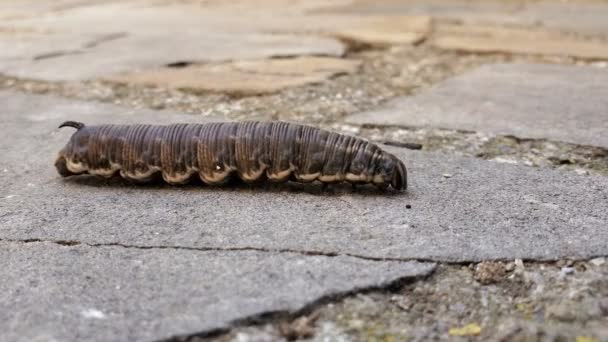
<point x="254" y="151"/>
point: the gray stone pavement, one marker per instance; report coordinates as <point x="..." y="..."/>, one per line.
<point x="51" y="292"/>
<point x="61" y="291"/>
<point x="143" y="263"/>
<point x="96" y="292"/>
<point x="50" y="41"/>
<point x="462" y="209"/>
<point x="89" y="259"/>
<point x="562" y="103"/>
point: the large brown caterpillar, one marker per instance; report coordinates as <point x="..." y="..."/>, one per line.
<point x="273" y="151"/>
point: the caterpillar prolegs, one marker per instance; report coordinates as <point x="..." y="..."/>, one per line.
<point x="254" y="151"/>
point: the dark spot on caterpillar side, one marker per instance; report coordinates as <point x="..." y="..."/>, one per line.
<point x="218" y="152"/>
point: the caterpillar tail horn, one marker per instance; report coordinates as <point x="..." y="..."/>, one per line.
<point x="75" y="124"/>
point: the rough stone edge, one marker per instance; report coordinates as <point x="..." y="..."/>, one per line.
<point x="275" y="316"/>
<point x="269" y="316"/>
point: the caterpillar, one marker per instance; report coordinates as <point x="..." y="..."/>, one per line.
<point x="273" y="151"/>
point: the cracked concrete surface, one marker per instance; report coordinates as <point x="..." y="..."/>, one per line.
<point x="518" y="301"/>
<point x="170" y="250"/>
<point x="494" y="211"/>
<point x="109" y="289"/>
<point x="163" y="34"/>
<point x="109" y="293"/>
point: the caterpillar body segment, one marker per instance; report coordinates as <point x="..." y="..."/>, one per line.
<point x="252" y="151"/>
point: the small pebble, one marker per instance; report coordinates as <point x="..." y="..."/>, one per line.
<point x="489" y="272"/>
<point x="597" y="261"/>
<point x="566" y="271"/>
<point x="601" y="65"/>
<point x="504" y="160"/>
<point x="93" y="313"/>
<point x="561" y="312"/>
<point x="447" y="175"/>
<point x="408" y="206"/>
<point x="520" y="268"/>
<point x="458" y="308"/>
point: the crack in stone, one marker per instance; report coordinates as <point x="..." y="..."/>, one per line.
<point x="212" y="249"/>
<point x="263" y="317"/>
<point x="105" y="38"/>
<point x="56" y="54"/>
<point x="89" y="45"/>
<point x="270" y="317"/>
<point x="441" y="260"/>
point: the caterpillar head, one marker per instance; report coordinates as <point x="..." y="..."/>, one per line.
<point x="391" y="171"/>
<point x="399" y="179"/>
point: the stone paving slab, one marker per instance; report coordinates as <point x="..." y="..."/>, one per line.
<point x="461" y="209"/>
<point x="244" y="77"/>
<point x="463" y="10"/>
<point x="106" y="38"/>
<point x="142" y="36"/>
<point x="375" y="31"/>
<point x="564" y="103"/>
<point x="132" y="53"/>
<point x="497" y="39"/>
<point x="50" y="40"/>
<point x="576" y="16"/>
<point x="569" y="16"/>
<point x="51" y="292"/>
<point x="542" y="28"/>
<point x="20" y="9"/>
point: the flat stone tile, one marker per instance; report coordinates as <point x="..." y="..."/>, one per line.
<point x="576" y="16"/>
<point x="372" y="30"/>
<point x="106" y="38"/>
<point x="51" y="292"/>
<point x="556" y="102"/>
<point x="385" y="31"/>
<point x="463" y="10"/>
<point x="87" y="40"/>
<point x="484" y="211"/>
<point x="20" y="9"/>
<point x="244" y="77"/>
<point x="497" y="39"/>
<point x="139" y="52"/>
<point x="587" y="18"/>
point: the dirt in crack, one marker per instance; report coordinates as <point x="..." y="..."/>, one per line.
<point x="492" y="301"/>
<point x="309" y="313"/>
